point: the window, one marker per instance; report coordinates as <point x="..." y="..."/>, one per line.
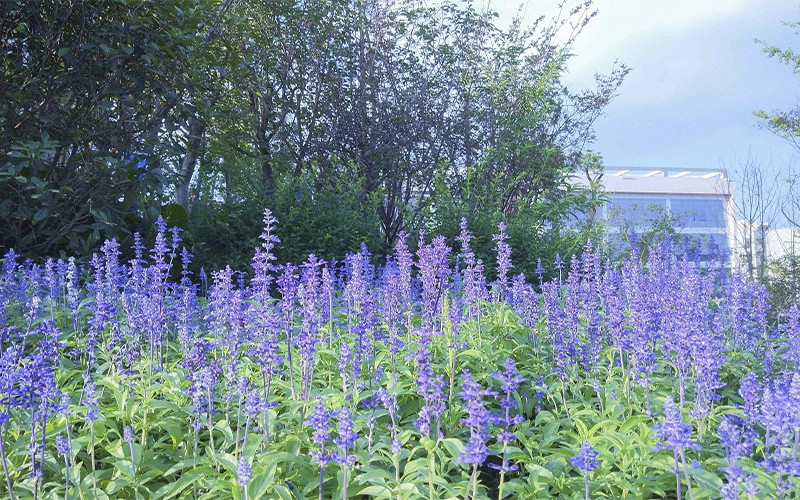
<point x="698" y="212"/>
<point x="704" y="246"/>
<point x="642" y="211"/>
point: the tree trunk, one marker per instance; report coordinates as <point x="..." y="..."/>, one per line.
<point x="195" y="142"/>
<point x="267" y="173"/>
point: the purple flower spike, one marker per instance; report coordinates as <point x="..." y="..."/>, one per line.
<point x="673" y="432"/>
<point x="62" y="445"/>
<point x="127" y="434"/>
<point x="90" y="400"/>
<point x="347" y="438"/>
<point x="478" y="419"/>
<point x="244" y="473"/>
<point x="319" y="420"/>
<point x="503" y="250"/>
<point x="586" y="460"/>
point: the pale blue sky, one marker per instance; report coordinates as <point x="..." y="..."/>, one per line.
<point x="697" y="76"/>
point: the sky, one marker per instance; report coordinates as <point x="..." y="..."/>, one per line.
<point x="697" y="76"/>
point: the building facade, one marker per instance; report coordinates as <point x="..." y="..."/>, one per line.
<point x="697" y="203"/>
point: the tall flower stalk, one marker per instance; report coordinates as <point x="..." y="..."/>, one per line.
<point x="676" y="436"/>
<point x="510" y="381"/>
<point x="478" y="419"/>
<point x="320" y="422"/>
<point x="345" y="440"/>
<point x="586" y="462"/>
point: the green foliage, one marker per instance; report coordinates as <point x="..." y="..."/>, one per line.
<point x="88" y="94"/>
<point x="782" y="281"/>
<point x="539" y="225"/>
<point x="328" y="220"/>
<point x="224" y="234"/>
<point x="112" y="113"/>
<point x="646" y="232"/>
<point x="784" y="123"/>
<point x="603" y="407"/>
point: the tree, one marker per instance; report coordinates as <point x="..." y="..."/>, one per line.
<point x="757" y="211"/>
<point x="115" y="112"/>
<point x="784" y="123"/>
<point x="782" y="277"/>
<point x="89" y="90"/>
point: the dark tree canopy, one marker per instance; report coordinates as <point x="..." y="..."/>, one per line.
<point x="112" y="113"/>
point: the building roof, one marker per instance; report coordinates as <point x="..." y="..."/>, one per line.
<point x="648" y="180"/>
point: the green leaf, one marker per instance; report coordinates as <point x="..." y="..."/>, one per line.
<point x="184" y="481"/>
<point x="376" y="491"/>
<point x="41" y="214"/>
<point x="175" y="215"/>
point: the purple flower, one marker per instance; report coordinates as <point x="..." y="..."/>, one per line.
<point x="127" y="434"/>
<point x="539" y="270"/>
<point x="791" y="331"/>
<point x="252" y="403"/>
<point x="675" y="434"/>
<point x="510" y="382"/>
<point x="478" y="419"/>
<point x="346" y="438"/>
<point x="320" y="421"/>
<point x="262" y="260"/>
<point x="750" y="390"/>
<point x="62" y="445"/>
<point x="90" y="399"/>
<point x="503" y="250"/>
<point x="434" y="273"/>
<point x="586" y="459"/>
<point x="243" y="472"/>
<point x="734" y="437"/>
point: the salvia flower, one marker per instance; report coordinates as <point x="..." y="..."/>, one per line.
<point x="90" y="399"/>
<point x="346" y="439"/>
<point x="127" y="434"/>
<point x="510" y="382"/>
<point x="478" y="419"/>
<point x="244" y="473"/>
<point x="62" y="445"/>
<point x="503" y="250"/>
<point x="586" y="459"/>
<point x="675" y="434"/>
<point x="750" y="390"/>
<point x="320" y="421"/>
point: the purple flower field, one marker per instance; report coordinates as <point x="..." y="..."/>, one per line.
<point x="659" y="377"/>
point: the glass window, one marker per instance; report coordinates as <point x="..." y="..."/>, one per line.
<point x="706" y="247"/>
<point x="636" y="211"/>
<point x="698" y="212"/>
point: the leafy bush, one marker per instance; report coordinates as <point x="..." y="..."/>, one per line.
<point x="327" y="221"/>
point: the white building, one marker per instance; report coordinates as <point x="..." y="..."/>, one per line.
<point x="782" y="242"/>
<point x="698" y="203"/>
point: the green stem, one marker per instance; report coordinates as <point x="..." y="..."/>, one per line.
<point x="474" y="481"/>
<point x="677" y="475"/>
<point x="321" y="474"/>
<point x="431" y="466"/>
<point x="194" y="459"/>
<point x="686" y="475"/>
<point x="396" y="460"/>
<point x="586" y="484"/>
<point x="344" y="482"/>
<point x="5" y="467"/>
<point x="133" y="462"/>
<point x="94" y="476"/>
<point x="66" y="477"/>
